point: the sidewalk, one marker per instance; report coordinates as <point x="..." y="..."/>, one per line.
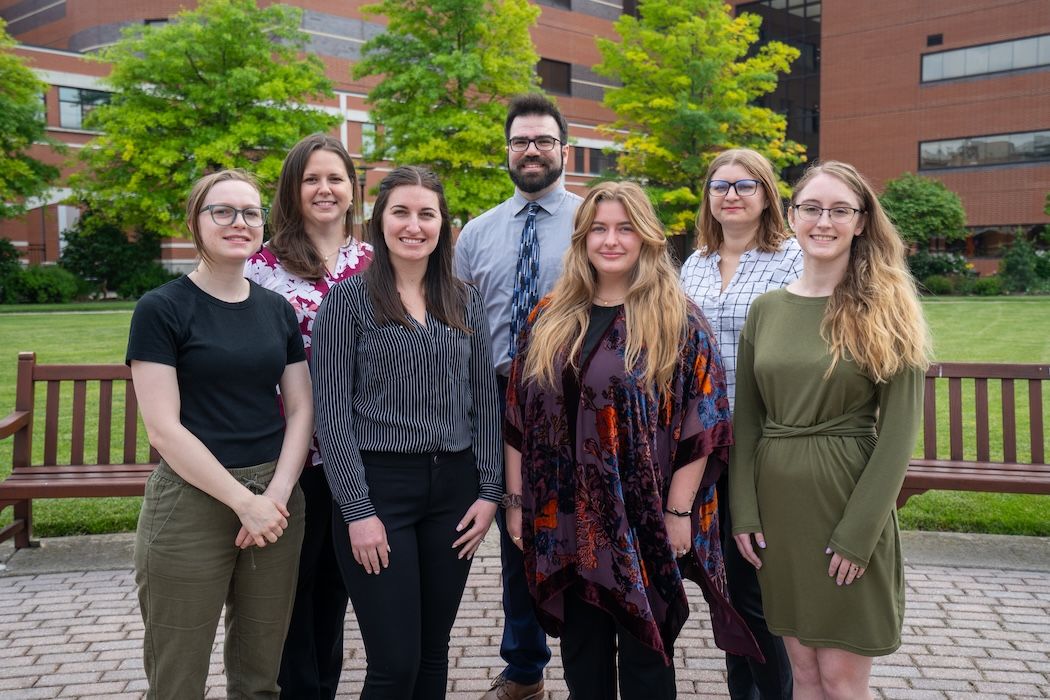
<point x="977" y="626"/>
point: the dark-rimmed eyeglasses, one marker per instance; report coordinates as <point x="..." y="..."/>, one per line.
<point x="225" y="215"/>
<point x="744" y="188"/>
<point x="838" y="215"/>
<point x="519" y="144"/>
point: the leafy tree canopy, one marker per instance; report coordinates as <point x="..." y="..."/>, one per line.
<point x="923" y="208"/>
<point x="447" y="66"/>
<point x="221" y="86"/>
<point x="21" y="125"/>
<point x="690" y="78"/>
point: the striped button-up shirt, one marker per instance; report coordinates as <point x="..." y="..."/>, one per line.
<point x="387" y="388"/>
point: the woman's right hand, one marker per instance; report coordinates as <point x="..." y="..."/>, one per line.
<point x="368" y="543"/>
<point x="513" y="522"/>
<point x="263" y="521"/>
<point x="747" y="550"/>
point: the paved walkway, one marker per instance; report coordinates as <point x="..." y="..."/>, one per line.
<point x="975" y="628"/>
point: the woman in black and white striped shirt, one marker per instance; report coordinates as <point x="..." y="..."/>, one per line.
<point x="408" y="422"/>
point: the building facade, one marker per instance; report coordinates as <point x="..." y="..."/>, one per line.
<point x="958" y="90"/>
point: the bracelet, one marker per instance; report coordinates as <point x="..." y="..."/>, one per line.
<point x="511" y="500"/>
<point x="679" y="513"/>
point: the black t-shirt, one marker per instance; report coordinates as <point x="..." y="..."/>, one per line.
<point x="229" y="358"/>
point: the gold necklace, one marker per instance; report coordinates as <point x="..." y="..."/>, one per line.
<point x="609" y="302"/>
<point x="341" y="246"/>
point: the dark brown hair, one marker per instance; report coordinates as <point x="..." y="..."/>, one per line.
<point x="446" y="296"/>
<point x="289" y="241"/>
<point x="195" y="202"/>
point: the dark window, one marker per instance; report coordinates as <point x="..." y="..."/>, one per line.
<point x="74" y="104"/>
<point x="934" y="39"/>
<point x="566" y="4"/>
<point x="554" y="76"/>
<point x="999" y="149"/>
<point x="602" y="163"/>
<point x="1017" y="54"/>
<point x="578" y="159"/>
<point x="630" y="7"/>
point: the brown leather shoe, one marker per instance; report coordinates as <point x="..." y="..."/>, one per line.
<point x="505" y="689"/>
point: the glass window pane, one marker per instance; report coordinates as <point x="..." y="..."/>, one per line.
<point x="954" y="64"/>
<point x="977" y="60"/>
<point x="1025" y="52"/>
<point x="1000" y="57"/>
<point x="933" y="67"/>
<point x="1044" y="50"/>
<point x="986" y="150"/>
<point x="69" y="115"/>
<point x="578" y="157"/>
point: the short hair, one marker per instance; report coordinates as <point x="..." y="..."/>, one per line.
<point x="195" y="202"/>
<point x="772" y="229"/>
<point x="534" y="103"/>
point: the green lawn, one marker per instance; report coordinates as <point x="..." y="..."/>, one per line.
<point x="990" y="330"/>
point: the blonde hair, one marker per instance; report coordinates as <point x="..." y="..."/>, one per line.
<point x="655" y="306"/>
<point x="195" y="202"/>
<point x="772" y="231"/>
<point x="873" y="317"/>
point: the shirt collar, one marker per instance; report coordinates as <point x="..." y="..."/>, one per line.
<point x="548" y="202"/>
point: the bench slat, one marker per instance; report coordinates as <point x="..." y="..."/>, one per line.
<point x="1035" y="416"/>
<point x="131" y="416"/>
<point x="955" y="441"/>
<point x="76" y="448"/>
<point x="105" y="422"/>
<point x="929" y="418"/>
<point x="1009" y="422"/>
<point x="54" y="395"/>
<point x="980" y="395"/>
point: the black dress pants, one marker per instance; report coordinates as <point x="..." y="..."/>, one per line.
<point x="406" y="612"/>
<point x="313" y="650"/>
<point x="595" y="650"/>
<point x="748" y="679"/>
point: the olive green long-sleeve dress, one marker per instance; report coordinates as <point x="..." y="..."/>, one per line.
<point x="818" y="463"/>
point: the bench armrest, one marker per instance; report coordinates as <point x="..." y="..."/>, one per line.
<point x="13" y="422"/>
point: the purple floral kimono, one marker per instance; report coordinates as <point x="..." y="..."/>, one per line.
<point x="593" y="510"/>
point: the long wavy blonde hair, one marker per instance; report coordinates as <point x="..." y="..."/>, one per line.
<point x="655" y="306"/>
<point x="873" y="317"/>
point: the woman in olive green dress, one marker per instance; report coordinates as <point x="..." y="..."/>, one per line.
<point x="829" y="392"/>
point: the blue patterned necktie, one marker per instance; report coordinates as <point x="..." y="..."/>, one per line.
<point x="526" y="279"/>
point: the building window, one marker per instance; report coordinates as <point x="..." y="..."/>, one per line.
<point x="74" y="104"/>
<point x="554" y="76"/>
<point x="999" y="149"/>
<point x="1030" y="52"/>
<point x="594" y="161"/>
<point x="368" y="138"/>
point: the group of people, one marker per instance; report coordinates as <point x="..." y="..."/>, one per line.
<point x="343" y="419"/>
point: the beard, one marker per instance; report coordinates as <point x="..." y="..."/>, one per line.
<point x="533" y="182"/>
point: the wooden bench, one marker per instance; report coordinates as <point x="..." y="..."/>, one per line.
<point x="73" y="476"/>
<point x="960" y="467"/>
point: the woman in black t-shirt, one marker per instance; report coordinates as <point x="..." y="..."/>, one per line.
<point x="222" y="518"/>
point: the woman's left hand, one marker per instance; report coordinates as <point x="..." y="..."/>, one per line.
<point x="473" y="526"/>
<point x="679" y="533"/>
<point x="843" y="570"/>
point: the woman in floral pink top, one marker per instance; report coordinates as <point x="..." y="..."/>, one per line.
<point x="312" y="248"/>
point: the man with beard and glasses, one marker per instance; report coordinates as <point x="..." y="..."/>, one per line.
<point x="513" y="254"/>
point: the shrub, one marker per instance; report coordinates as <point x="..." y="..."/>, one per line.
<point x="988" y="286"/>
<point x="1018" y="268"/>
<point x="144" y="280"/>
<point x="924" y="263"/>
<point x="9" y="264"/>
<point x="101" y="253"/>
<point x="38" y="284"/>
<point x="938" y="284"/>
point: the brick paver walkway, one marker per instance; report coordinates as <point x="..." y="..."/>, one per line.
<point x="969" y="633"/>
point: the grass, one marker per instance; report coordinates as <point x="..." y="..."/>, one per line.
<point x="1004" y="329"/>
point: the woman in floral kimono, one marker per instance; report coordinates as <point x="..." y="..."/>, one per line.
<point x="617" y="429"/>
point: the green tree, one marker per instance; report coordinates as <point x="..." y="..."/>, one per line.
<point x="690" y="77"/>
<point x="218" y="87"/>
<point x="923" y="208"/>
<point x="103" y="256"/>
<point x="21" y="125"/>
<point x="447" y="66"/>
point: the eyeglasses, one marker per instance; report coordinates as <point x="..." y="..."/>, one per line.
<point x="838" y="215"/>
<point x="225" y="215"/>
<point x="519" y="144"/>
<point x="744" y="188"/>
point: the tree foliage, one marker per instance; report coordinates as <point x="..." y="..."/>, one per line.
<point x="21" y="125"/>
<point x="103" y="256"/>
<point x="218" y="87"/>
<point x="447" y="66"/>
<point x="923" y="209"/>
<point x="689" y="82"/>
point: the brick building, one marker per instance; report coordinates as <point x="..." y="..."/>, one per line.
<point x="958" y="90"/>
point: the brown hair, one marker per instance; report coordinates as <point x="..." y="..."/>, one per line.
<point x="771" y="227"/>
<point x="289" y="241"/>
<point x="446" y="296"/>
<point x="195" y="202"/>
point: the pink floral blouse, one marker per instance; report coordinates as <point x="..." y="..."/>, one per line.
<point x="305" y="296"/>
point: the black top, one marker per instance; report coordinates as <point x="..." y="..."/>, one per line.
<point x="388" y="388"/>
<point x="229" y="358"/>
